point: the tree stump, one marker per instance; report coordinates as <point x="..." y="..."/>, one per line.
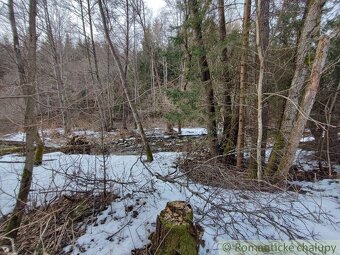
<point x="175" y="232"/>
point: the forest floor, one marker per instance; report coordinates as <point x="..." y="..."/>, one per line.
<point x="68" y="212"/>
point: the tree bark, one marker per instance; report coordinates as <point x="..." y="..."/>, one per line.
<point x="228" y="126"/>
<point x="102" y="107"/>
<point x="57" y="67"/>
<point x="27" y="81"/>
<point x="205" y="77"/>
<point x="87" y="45"/>
<point x="126" y="64"/>
<point x="306" y="107"/>
<point x="260" y="52"/>
<point x="243" y="82"/>
<point x="262" y="39"/>
<point x="310" y="28"/>
<point x="39" y="151"/>
<point x="124" y="83"/>
<point x="308" y="33"/>
<point x="328" y="114"/>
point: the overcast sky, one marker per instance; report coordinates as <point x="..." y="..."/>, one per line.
<point x="155" y="5"/>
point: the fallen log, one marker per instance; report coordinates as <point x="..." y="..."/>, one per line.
<point x="12" y="143"/>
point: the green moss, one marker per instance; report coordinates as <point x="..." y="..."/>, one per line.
<point x="179" y="236"/>
<point x="149" y="156"/>
<point x="178" y="239"/>
<point x="39" y="155"/>
<point x="275" y="155"/>
<point x="10" y="150"/>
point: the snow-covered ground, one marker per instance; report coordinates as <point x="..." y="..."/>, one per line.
<point x="307" y="139"/>
<point x="19" y="137"/>
<point x="54" y="137"/>
<point x="224" y="214"/>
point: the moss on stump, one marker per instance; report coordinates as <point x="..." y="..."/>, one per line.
<point x="175" y="231"/>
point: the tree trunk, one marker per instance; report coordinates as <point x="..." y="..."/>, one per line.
<point x="175" y="231"/>
<point x="262" y="38"/>
<point x="88" y="54"/>
<point x="127" y="50"/>
<point x="310" y="27"/>
<point x="124" y="83"/>
<point x="57" y="67"/>
<point x="179" y="125"/>
<point x="28" y="88"/>
<point x="205" y="77"/>
<point x="87" y="44"/>
<point x="39" y="151"/>
<point x="102" y="108"/>
<point x="330" y="136"/>
<point x="243" y="82"/>
<point x="227" y="142"/>
<point x="306" y="106"/>
<point x="260" y="52"/>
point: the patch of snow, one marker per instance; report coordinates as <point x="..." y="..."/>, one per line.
<point x="307" y="139"/>
<point x="337" y="168"/>
<point x="159" y="132"/>
<point x="17" y="137"/>
<point x="306" y="160"/>
<point x="324" y="188"/>
<point x="193" y="131"/>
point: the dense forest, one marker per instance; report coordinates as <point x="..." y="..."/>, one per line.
<point x="101" y="78"/>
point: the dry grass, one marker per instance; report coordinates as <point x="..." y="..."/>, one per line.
<point x="47" y="229"/>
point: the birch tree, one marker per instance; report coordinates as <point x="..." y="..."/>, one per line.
<point x="262" y="40"/>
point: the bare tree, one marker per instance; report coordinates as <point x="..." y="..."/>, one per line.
<point x="243" y="81"/>
<point x="197" y="19"/>
<point x="228" y="143"/>
<point x="124" y="82"/>
<point x="102" y="108"/>
<point x="57" y="62"/>
<point x="262" y="38"/>
<point x="306" y="107"/>
<point x="27" y="80"/>
<point x="309" y="30"/>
